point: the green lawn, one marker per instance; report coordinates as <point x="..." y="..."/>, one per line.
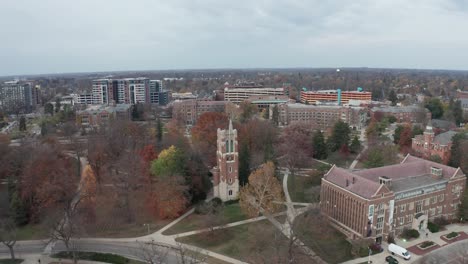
<point x="101" y="257"/>
<point x="9" y="261"/>
<point x="304" y="189"/>
<point x="31" y="232"/>
<point x="239" y="242"/>
<point x="231" y="213"/>
<point x="316" y="232"/>
<point x="340" y="160"/>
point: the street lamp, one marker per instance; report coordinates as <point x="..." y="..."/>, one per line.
<point x="148" y="226"/>
<point x="370" y="252"/>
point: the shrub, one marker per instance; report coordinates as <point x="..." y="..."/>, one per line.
<point x="101" y="257"/>
<point x="426" y="244"/>
<point x="376" y="248"/>
<point x="452" y="235"/>
<point x="434" y="228"/>
<point x="409" y="233"/>
<point x="441" y="221"/>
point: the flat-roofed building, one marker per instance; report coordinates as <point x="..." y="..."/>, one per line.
<point x="188" y="111"/>
<point x="341" y="97"/>
<point x="403" y="114"/>
<point x="97" y="115"/>
<point x="383" y="201"/>
<point x="18" y="97"/>
<point x="321" y="117"/>
<point x="238" y="95"/>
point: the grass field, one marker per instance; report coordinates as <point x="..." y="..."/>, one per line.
<point x="9" y="261"/>
<point x="304" y="189"/>
<point x="231" y="213"/>
<point x="31" y="232"/>
<point x="238" y="242"/>
<point x="323" y="239"/>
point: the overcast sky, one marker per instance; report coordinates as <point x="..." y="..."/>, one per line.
<point x="54" y="36"/>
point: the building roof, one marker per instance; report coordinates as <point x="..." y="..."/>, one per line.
<point x="107" y="108"/>
<point x="444" y="124"/>
<point x="322" y="106"/>
<point x="399" y="109"/>
<point x="412" y="172"/>
<point x="445" y="138"/>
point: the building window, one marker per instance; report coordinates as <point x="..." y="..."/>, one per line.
<point x="426" y="202"/>
<point x="418" y="206"/>
<point x="403" y="208"/>
<point x="410" y="218"/>
<point x="439" y="209"/>
<point x="230" y="192"/>
<point x="402" y="220"/>
<point x="432" y="211"/>
<point x="441" y="198"/>
<point x="433" y="199"/>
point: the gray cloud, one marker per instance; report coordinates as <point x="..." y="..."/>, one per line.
<point x="99" y="35"/>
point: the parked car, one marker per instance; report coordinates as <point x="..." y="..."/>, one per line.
<point x="391" y="260"/>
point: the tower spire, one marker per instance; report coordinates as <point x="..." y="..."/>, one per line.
<point x="230" y="126"/>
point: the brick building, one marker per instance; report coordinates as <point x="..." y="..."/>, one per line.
<point x="226" y="173"/>
<point x="382" y="201"/>
<point x="403" y="114"/>
<point x="97" y="115"/>
<point x="429" y="144"/>
<point x="188" y="111"/>
<point x="321" y="117"/>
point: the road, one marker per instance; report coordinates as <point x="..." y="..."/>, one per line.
<point x="127" y="249"/>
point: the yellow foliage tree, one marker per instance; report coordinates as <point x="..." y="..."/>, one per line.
<point x="263" y="193"/>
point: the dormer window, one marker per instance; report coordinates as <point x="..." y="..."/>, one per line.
<point x="436" y="171"/>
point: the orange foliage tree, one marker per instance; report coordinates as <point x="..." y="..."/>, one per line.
<point x="204" y="135"/>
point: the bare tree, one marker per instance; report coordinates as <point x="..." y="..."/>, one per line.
<point x="66" y="229"/>
<point x="151" y="252"/>
<point x="8" y="235"/>
<point x="189" y="256"/>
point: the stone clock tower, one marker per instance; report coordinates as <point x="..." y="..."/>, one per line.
<point x="226" y="173"/>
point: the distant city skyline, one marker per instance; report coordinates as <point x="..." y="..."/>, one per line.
<point x="56" y="36"/>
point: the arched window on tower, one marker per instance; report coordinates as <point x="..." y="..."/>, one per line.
<point x="227" y="146"/>
<point x="232" y="145"/>
<point x="230" y="192"/>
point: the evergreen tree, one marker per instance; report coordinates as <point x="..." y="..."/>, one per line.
<point x="417" y="130"/>
<point x="396" y="136"/>
<point x="355" y="145"/>
<point x="49" y="109"/>
<point x="435" y="106"/>
<point x="57" y="104"/>
<point x="244" y="164"/>
<point x="318" y="145"/>
<point x="159" y="130"/>
<point x="393" y="97"/>
<point x="275" y="115"/>
<point x="19" y="212"/>
<point x="340" y="136"/>
<point x="457" y="111"/>
<point x="456" y="152"/>
<point x="22" y="123"/>
<point x="374" y="159"/>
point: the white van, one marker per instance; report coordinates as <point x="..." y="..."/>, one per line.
<point x="400" y="251"/>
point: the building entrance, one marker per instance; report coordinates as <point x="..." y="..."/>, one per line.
<point x="421" y="225"/>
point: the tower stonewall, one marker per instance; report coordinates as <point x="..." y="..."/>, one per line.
<point x="226" y="173"/>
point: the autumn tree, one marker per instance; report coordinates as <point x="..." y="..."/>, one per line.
<point x="204" y="135"/>
<point x="263" y="193"/>
<point x="405" y="138"/>
<point x="170" y="162"/>
<point x="248" y="110"/>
